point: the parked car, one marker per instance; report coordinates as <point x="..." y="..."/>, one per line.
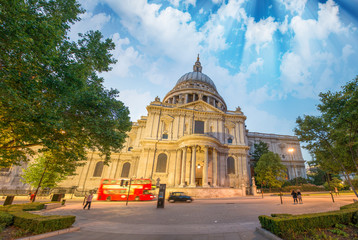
<point x="179" y="197"/>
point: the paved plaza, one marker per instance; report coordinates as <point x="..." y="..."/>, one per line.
<point x="234" y="218"/>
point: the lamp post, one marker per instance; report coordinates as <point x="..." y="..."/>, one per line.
<point x="291" y="150"/>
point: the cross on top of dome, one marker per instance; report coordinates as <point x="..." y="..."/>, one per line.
<point x="197" y="66"/>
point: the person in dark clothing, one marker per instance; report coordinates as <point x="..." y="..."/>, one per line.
<point x="294" y="195"/>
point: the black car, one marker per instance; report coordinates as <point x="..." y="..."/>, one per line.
<point x="179" y="197"/>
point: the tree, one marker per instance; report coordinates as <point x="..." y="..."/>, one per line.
<point x="260" y="149"/>
<point x="317" y="176"/>
<point x="334" y="183"/>
<point x="332" y="138"/>
<point x="52" y="100"/>
<point x="270" y="170"/>
<point x="41" y="173"/>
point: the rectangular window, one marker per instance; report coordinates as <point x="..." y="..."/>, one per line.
<point x="199" y="127"/>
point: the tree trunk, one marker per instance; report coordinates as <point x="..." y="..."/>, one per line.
<point x="350" y="148"/>
<point x="39" y="185"/>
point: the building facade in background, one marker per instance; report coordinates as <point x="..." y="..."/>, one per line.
<point x="187" y="140"/>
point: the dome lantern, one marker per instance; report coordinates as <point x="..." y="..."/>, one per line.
<point x="197" y="66"/>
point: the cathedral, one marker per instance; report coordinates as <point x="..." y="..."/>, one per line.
<point x="189" y="141"/>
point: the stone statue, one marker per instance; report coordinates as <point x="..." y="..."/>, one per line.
<point x="253" y="181"/>
<point x="238" y="109"/>
<point x="157" y="99"/>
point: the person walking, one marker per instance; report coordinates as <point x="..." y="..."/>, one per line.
<point x="299" y="196"/>
<point x="294" y="195"/>
<point x="88" y="201"/>
<point x="336" y="191"/>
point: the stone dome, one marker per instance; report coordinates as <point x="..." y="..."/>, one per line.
<point x="195" y="86"/>
<point x="196" y="76"/>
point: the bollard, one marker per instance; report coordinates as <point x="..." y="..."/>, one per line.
<point x="332" y="196"/>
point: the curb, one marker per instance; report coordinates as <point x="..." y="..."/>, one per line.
<point x="267" y="234"/>
<point x="50" y="234"/>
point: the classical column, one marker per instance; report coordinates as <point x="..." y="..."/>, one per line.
<point x="186" y="98"/>
<point x="242" y="133"/>
<point x="183" y="167"/>
<point x="193" y="167"/>
<point x="205" y="168"/>
<point x="215" y="167"/>
<point x="177" y="170"/>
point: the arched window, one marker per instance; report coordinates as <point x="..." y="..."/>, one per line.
<point x="230" y="165"/>
<point x="165" y="136"/>
<point x="229" y="141"/>
<point x="161" y="163"/>
<point x="98" y="169"/>
<point x="130" y="149"/>
<point x="125" y="170"/>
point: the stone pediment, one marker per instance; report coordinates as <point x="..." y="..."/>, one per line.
<point x="200" y="106"/>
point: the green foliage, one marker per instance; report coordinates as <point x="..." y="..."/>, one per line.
<point x="51" y="95"/>
<point x="350" y="206"/>
<point x="282" y="226"/>
<point x="338" y="232"/>
<point x="332" y="137"/>
<point x="6" y="219"/>
<point x="292" y="182"/>
<point x="36" y="223"/>
<point x="334" y="183"/>
<point x="260" y="149"/>
<point x="316" y="175"/>
<point x="46" y="170"/>
<point x="304" y="188"/>
<point x="270" y="170"/>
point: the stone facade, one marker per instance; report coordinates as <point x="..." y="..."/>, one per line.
<point x="189" y="140"/>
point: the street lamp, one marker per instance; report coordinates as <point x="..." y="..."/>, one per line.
<point x="291" y="150"/>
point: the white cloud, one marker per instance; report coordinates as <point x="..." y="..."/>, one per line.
<point x="295" y="6"/>
<point x="169" y="31"/>
<point x="175" y="3"/>
<point x="201" y="11"/>
<point x="88" y="22"/>
<point x="347" y="51"/>
<point x="220" y="23"/>
<point x="216" y="39"/>
<point x="283" y="27"/>
<point x="328" y="22"/>
<point x="305" y="69"/>
<point x="260" y="33"/>
<point x="217" y="1"/>
<point x="136" y="102"/>
<point x="126" y="56"/>
<point x="266" y="122"/>
<point x="189" y="2"/>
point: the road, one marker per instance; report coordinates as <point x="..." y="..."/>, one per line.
<point x="235" y="218"/>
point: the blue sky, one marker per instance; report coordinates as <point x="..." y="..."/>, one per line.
<point x="271" y="58"/>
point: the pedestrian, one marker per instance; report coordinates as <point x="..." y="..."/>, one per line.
<point x="84" y="199"/>
<point x="294" y="195"/>
<point x="299" y="196"/>
<point x="88" y="201"/>
<point x="336" y="191"/>
<point x="32" y="196"/>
